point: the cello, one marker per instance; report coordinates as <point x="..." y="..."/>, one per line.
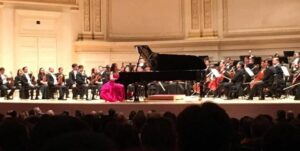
<point x="258" y="78"/>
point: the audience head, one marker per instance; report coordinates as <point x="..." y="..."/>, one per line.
<point x="282" y="137"/>
<point x="79" y="141"/>
<point x="13" y="136"/>
<point x="158" y="134"/>
<point x="205" y="127"/>
<point x="290" y="116"/>
<point x="260" y="125"/>
<point x="50" y="127"/>
<point x="139" y="120"/>
<point x="281" y="116"/>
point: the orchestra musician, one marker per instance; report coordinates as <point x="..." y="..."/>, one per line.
<point x="278" y="82"/>
<point x="263" y="79"/>
<point x="61" y="80"/>
<point x="105" y="74"/>
<point x="72" y="80"/>
<point x="294" y="64"/>
<point x="296" y="82"/>
<point x="54" y="85"/>
<point x="204" y="86"/>
<point x="225" y="72"/>
<point x="95" y="82"/>
<point x="43" y="83"/>
<point x="236" y="81"/>
<point x="81" y="81"/>
<point x="18" y="82"/>
<point x="6" y="83"/>
<point x="28" y="84"/>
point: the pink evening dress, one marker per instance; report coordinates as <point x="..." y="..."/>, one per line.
<point x="112" y="91"/>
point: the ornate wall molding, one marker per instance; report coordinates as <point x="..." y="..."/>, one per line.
<point x="207" y="8"/>
<point x="52" y="2"/>
<point x="195" y="14"/>
<point x="97" y="16"/>
<point x="92" y="20"/>
<point x="87" y="16"/>
<point x="203" y="18"/>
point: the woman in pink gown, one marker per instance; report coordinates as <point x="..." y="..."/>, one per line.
<point x="112" y="91"/>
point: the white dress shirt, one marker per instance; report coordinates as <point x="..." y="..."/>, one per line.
<point x="54" y="77"/>
<point x="75" y="73"/>
<point x="28" y="79"/>
<point x="4" y="79"/>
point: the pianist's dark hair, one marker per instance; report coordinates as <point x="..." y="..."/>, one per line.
<point x="113" y="67"/>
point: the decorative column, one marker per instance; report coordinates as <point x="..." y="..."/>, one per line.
<point x="208" y="18"/>
<point x="92" y="20"/>
<point x="203" y="18"/>
<point x="194" y="29"/>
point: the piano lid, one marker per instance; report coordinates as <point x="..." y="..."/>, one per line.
<point x="169" y="62"/>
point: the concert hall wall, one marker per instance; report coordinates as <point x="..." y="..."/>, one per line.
<point x="99" y="32"/>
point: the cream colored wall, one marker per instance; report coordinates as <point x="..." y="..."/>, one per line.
<point x="99" y="32"/>
<point x="49" y="44"/>
<point x="217" y="28"/>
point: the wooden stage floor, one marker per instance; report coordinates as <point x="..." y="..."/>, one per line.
<point x="235" y="108"/>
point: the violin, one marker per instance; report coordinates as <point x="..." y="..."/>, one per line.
<point x="60" y="79"/>
<point x="95" y="78"/>
<point x="10" y="80"/>
<point x="32" y="79"/>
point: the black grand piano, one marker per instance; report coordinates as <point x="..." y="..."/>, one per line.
<point x="165" y="67"/>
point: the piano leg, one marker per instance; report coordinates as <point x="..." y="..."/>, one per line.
<point x="135" y="93"/>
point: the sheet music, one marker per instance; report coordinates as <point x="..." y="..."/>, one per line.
<point x="285" y="71"/>
<point x="216" y="73"/>
<point x="249" y="71"/>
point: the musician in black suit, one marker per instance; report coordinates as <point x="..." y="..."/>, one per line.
<point x="5" y="85"/>
<point x="18" y="82"/>
<point x="105" y="74"/>
<point x="81" y="81"/>
<point x="236" y="82"/>
<point x="71" y="83"/>
<point x="95" y="82"/>
<point x="42" y="83"/>
<point x="54" y="85"/>
<point x="264" y="79"/>
<point x="61" y="78"/>
<point x="28" y="85"/>
<point x="278" y="82"/>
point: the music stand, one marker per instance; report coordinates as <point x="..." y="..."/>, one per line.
<point x="289" y="53"/>
<point x="283" y="60"/>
